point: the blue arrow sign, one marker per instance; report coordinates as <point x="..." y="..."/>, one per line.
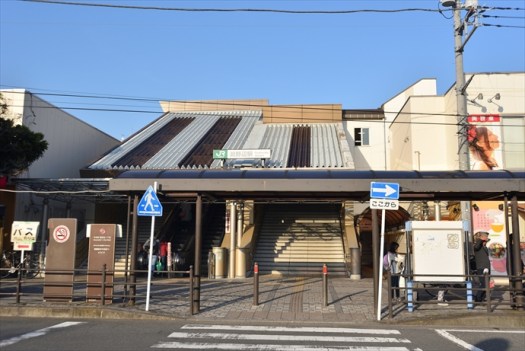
<point x="149" y="205"/>
<point x="384" y="190"/>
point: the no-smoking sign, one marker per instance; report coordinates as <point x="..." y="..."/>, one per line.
<point x="61" y="234"/>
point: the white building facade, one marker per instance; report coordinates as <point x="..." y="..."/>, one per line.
<point x="72" y="144"/>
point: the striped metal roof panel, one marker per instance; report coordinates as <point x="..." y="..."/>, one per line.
<point x="325" y="151"/>
<point x="325" y="147"/>
<point x="177" y="148"/>
<point x="121" y="150"/>
<point x="277" y="138"/>
<point x="240" y="135"/>
<point x="175" y="151"/>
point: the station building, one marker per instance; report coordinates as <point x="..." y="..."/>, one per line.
<point x="287" y="186"/>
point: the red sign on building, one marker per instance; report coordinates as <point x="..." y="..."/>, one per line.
<point x="484" y="118"/>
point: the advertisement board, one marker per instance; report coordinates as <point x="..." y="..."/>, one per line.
<point x="437" y="249"/>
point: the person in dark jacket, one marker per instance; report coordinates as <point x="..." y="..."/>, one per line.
<point x="481" y="253"/>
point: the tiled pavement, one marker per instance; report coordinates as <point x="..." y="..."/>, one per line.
<point x="282" y="299"/>
<point x="300" y="299"/>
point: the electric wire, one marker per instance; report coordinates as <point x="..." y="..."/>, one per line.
<point x="249" y="106"/>
<point x="181" y="9"/>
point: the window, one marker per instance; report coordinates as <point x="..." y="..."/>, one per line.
<point x="361" y="136"/>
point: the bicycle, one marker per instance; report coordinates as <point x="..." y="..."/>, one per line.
<point x="10" y="264"/>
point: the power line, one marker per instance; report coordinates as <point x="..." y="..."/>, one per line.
<point x="300" y="120"/>
<point x="501" y="26"/>
<point x="181" y="9"/>
<point x="248" y="106"/>
<point x="510" y="17"/>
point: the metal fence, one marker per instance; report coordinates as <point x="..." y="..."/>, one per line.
<point x="99" y="287"/>
<point x="457" y="290"/>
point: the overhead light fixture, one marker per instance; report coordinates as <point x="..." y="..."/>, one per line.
<point x="479" y="97"/>
<point x="495" y="97"/>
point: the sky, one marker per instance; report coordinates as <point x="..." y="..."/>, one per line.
<point x="109" y="66"/>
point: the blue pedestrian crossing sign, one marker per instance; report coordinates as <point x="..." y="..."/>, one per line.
<point x="380" y="190"/>
<point x="149" y="205"/>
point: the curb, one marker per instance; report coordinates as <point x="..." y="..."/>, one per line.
<point x="511" y="319"/>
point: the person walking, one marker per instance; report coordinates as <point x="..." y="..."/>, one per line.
<point x="481" y="254"/>
<point x="391" y="262"/>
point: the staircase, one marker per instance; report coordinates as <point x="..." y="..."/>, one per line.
<point x="212" y="232"/>
<point x="299" y="239"/>
<point x="143" y="233"/>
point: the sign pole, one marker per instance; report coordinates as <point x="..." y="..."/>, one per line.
<point x="381" y="254"/>
<point x="383" y="196"/>
<point x="151" y="244"/>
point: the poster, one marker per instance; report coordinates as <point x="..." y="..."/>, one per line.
<point x="488" y="216"/>
<point x="484" y="135"/>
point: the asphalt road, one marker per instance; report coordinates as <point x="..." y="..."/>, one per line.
<point x="94" y="334"/>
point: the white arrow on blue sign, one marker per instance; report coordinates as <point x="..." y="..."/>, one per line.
<point x="380" y="190"/>
<point x="149" y="205"/>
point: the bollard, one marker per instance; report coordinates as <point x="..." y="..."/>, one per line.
<point x="18" y="285"/>
<point x="487" y="289"/>
<point x="470" y="296"/>
<point x="192" y="298"/>
<point x="256" y="284"/>
<point x="325" y="285"/>
<point x="211" y="265"/>
<point x="103" y="287"/>
<point x="410" y="296"/>
<point x="389" y="292"/>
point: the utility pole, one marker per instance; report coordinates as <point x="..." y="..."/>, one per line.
<point x="461" y="98"/>
<point x="460" y="29"/>
<point x="460" y="26"/>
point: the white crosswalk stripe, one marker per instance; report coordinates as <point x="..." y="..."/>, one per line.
<point x="272" y="338"/>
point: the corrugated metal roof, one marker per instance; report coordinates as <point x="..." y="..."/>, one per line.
<point x="121" y="150"/>
<point x="240" y="135"/>
<point x="176" y="149"/>
<point x="277" y="138"/>
<point x="325" y="151"/>
<point x="325" y="147"/>
<point x="322" y="149"/>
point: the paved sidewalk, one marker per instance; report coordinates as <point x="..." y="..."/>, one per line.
<point x="300" y="300"/>
<point x="282" y="299"/>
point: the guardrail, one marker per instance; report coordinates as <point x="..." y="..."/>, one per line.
<point x="169" y="285"/>
<point x="459" y="290"/>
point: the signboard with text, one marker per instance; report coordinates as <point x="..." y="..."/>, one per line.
<point x="60" y="259"/>
<point x="24" y="233"/>
<point x="101" y="253"/>
<point x="241" y="154"/>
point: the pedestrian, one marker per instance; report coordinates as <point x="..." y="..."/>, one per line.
<point x="155" y="253"/>
<point x="481" y="252"/>
<point x="394" y="265"/>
